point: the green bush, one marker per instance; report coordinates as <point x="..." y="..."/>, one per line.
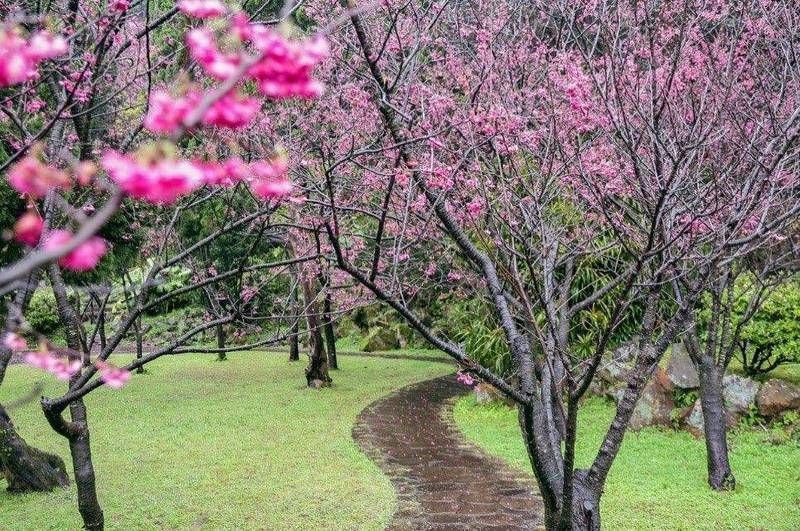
<point x="772" y="337"/>
<point x="42" y="314"/>
<point x="472" y="324"/>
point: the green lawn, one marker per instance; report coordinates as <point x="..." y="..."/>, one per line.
<point x="658" y="480"/>
<point x="241" y="444"/>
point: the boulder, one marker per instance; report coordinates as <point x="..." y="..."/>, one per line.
<point x="680" y="369"/>
<point x="613" y="372"/>
<point x="381" y="338"/>
<point x="626" y="352"/>
<point x="692" y="419"/>
<point x="655" y="405"/>
<point x="776" y="397"/>
<point x="739" y="393"/>
<point x="488" y="394"/>
<point x="318" y="384"/>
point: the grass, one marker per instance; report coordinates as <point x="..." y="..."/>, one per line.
<point x="658" y="480"/>
<point x="241" y="444"/>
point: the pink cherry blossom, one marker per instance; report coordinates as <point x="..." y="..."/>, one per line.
<point x="19" y="58"/>
<point x="174" y="179"/>
<point x="84" y="257"/>
<point x="112" y="376"/>
<point x="31" y="176"/>
<point x="40" y="360"/>
<point x="286" y="66"/>
<point x="119" y="6"/>
<point x="269" y="179"/>
<point x="225" y="173"/>
<point x="14" y="342"/>
<point x="166" y="113"/>
<point x="465" y="378"/>
<point x="202" y="8"/>
<point x="28" y="228"/>
<point x="61" y="367"/>
<point x="232" y="111"/>
<point x="44" y="45"/>
<point x="203" y="49"/>
<point x="161" y="182"/>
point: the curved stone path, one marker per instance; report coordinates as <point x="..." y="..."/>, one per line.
<point x="442" y="482"/>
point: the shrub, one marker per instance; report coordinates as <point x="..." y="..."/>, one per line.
<point x="42" y="314"/>
<point x="772" y="337"/>
<point x="473" y="325"/>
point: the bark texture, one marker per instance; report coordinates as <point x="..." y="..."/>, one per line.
<point x="720" y="475"/>
<point x="27" y="469"/>
<point x="317" y="370"/>
<point x="78" y="430"/>
<point x="294" y="337"/>
<point x="330" y="333"/>
<point x="221" y="356"/>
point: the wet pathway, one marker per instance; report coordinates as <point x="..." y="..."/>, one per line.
<point x="442" y="482"/>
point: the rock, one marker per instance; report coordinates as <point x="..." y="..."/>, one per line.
<point x="777" y="396"/>
<point x="739" y="393"/>
<point x="487" y="394"/>
<point x="381" y="338"/>
<point x="613" y="372"/>
<point x="627" y="351"/>
<point x="615" y="369"/>
<point x="693" y="421"/>
<point x="655" y="405"/>
<point x="318" y="384"/>
<point x="680" y="368"/>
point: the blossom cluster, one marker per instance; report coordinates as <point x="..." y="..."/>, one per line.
<point x="465" y="378"/>
<point x="168" y="114"/>
<point x="19" y="58"/>
<point x="84" y="257"/>
<point x="284" y="68"/>
<point x="164" y="180"/>
<point x="63" y="365"/>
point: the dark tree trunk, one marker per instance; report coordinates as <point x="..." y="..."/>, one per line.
<point x="585" y="503"/>
<point x="294" y="337"/>
<point x="330" y="334"/>
<point x="82" y="466"/>
<point x="25" y="468"/>
<point x="81" y="451"/>
<point x="221" y="356"/>
<point x="720" y="476"/>
<point x="101" y="323"/>
<point x="137" y="331"/>
<point x="317" y="370"/>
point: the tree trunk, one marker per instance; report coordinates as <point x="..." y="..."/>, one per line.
<point x="81" y="451"/>
<point x="720" y="476"/>
<point x="137" y="330"/>
<point x="221" y="356"/>
<point x="317" y="370"/>
<point x="585" y="503"/>
<point x="330" y="334"/>
<point x="101" y="323"/>
<point x="79" y="444"/>
<point x="27" y="469"/>
<point x="294" y="337"/>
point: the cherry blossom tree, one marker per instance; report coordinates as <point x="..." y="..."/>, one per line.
<point x="64" y="160"/>
<point x="517" y="149"/>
